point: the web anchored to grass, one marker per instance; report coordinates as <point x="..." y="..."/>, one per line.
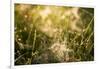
<point x="53" y="34"/>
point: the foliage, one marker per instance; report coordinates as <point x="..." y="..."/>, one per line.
<point x="53" y="34"/>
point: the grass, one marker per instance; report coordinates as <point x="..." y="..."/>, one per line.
<point x="53" y="34"/>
